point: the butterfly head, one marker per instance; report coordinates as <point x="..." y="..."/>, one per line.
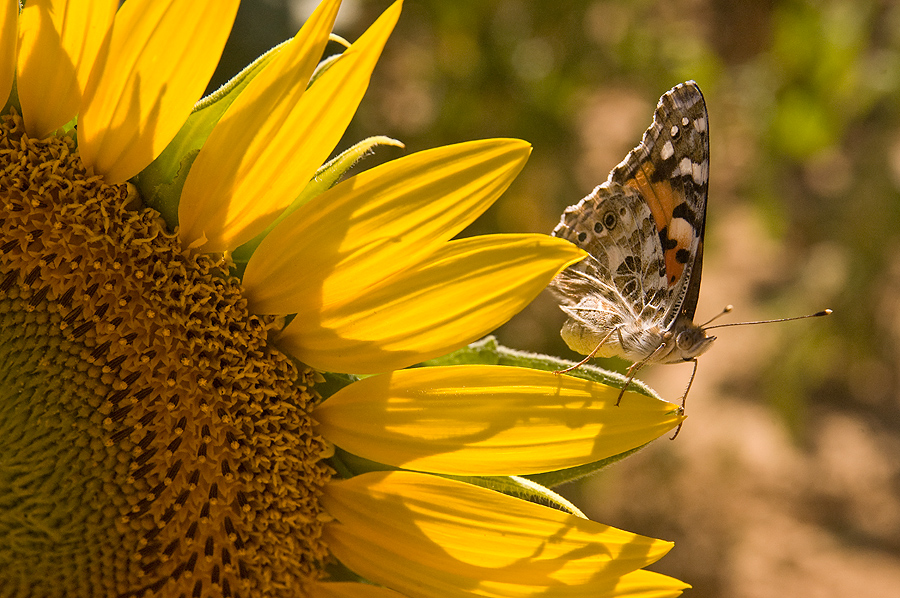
<point x="691" y="341"/>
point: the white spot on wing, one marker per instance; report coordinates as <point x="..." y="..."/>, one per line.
<point x="700" y="124"/>
<point x="674" y="131"/>
<point x="700" y="172"/>
<point x="685" y="121"/>
<point x="685" y="167"/>
<point x="667" y="151"/>
<point x="681" y="231"/>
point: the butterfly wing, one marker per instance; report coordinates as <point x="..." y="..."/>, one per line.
<point x="643" y="229"/>
<point x="625" y="271"/>
<point x="670" y="170"/>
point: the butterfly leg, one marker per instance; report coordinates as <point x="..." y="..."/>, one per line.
<point x="589" y="357"/>
<point x="684" y="398"/>
<point x="629" y="376"/>
<point x="633" y="369"/>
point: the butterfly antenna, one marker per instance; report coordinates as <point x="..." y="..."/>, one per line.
<point x="727" y="310"/>
<point x="818" y="314"/>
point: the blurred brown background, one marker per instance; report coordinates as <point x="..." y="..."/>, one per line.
<point x="786" y="478"/>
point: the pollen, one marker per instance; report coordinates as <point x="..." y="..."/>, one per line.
<point x="152" y="442"/>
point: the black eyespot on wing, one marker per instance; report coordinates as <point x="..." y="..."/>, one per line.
<point x="598" y="227"/>
<point x="682" y="256"/>
<point x="582" y="236"/>
<point x="610" y="220"/>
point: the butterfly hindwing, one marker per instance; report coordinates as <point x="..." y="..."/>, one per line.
<point x="625" y="268"/>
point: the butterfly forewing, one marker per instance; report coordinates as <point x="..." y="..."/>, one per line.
<point x="670" y="169"/>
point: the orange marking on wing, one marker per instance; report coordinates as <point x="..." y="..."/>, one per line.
<point x="659" y="196"/>
<point x="662" y="201"/>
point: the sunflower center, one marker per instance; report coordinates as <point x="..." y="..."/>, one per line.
<point x="151" y="441"/>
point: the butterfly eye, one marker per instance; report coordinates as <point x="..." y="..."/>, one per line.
<point x="610" y="220"/>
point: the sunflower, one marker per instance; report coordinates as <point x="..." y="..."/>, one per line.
<point x="189" y="297"/>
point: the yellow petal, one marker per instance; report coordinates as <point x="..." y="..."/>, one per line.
<point x="489" y="420"/>
<point x="647" y="584"/>
<point x="159" y="59"/>
<point x="9" y="12"/>
<point x="233" y="196"/>
<point x="376" y="224"/>
<point x="460" y="293"/>
<point x="259" y="129"/>
<point x="327" y="176"/>
<point x="58" y="44"/>
<point x="346" y="589"/>
<point x="427" y="536"/>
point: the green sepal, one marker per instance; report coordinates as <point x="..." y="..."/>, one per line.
<point x="332" y="382"/>
<point x="348" y="465"/>
<point x="325" y="178"/>
<point x="488" y="351"/>
<point x="523" y="488"/>
<point x="552" y="479"/>
<point x="13" y="100"/>
<point x="161" y="182"/>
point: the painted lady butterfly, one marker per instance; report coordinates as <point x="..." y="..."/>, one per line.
<point x="635" y="295"/>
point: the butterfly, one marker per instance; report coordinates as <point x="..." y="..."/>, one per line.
<point x="636" y="293"/>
